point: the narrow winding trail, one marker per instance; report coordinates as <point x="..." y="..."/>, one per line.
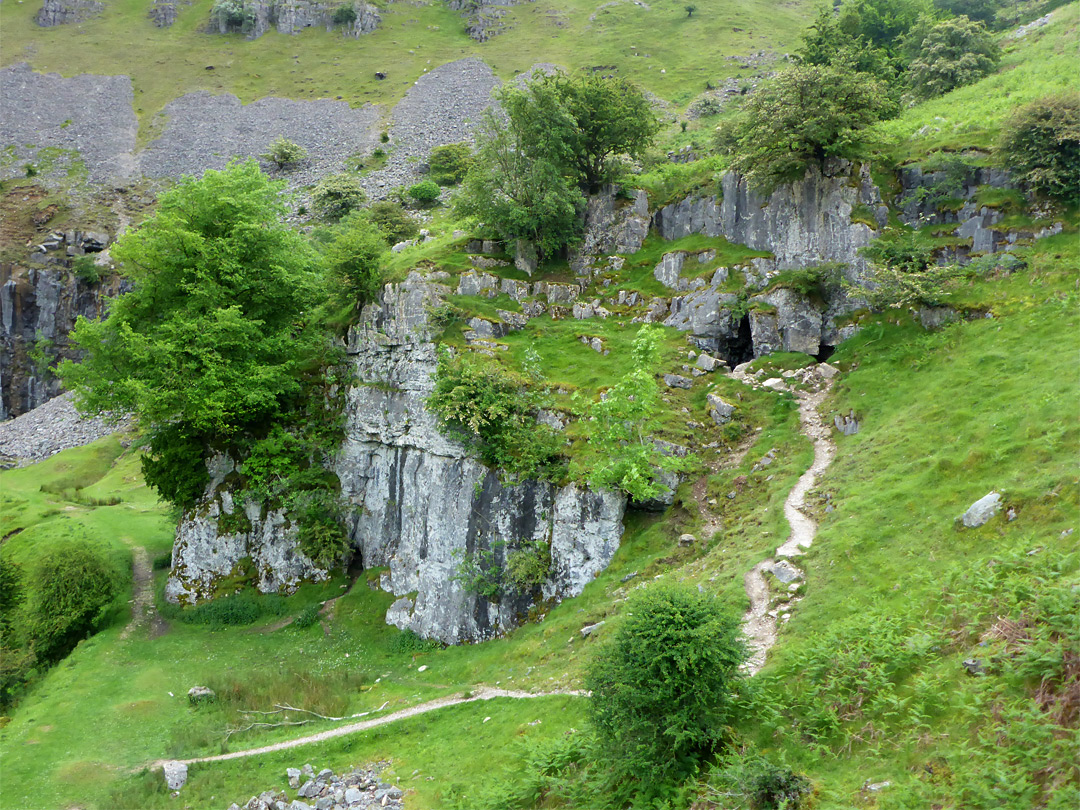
<point x="483" y="693"/>
<point x="759" y="626"/>
<point x="142" y="610"/>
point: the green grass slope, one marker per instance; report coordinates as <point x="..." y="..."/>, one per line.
<point x="668" y="52"/>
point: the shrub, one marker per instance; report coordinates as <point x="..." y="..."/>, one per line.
<point x="72" y="585"/>
<point x="86" y="269"/>
<point x="491" y="408"/>
<point x="231" y="15"/>
<point x="527" y="567"/>
<point x="307" y="617"/>
<point x="764" y="784"/>
<point x="1041" y="142"/>
<point x="226" y="611"/>
<point x="409" y="642"/>
<point x="283" y="153"/>
<point x="425" y="192"/>
<point x="396" y="224"/>
<point x="480" y="572"/>
<point x="663" y="688"/>
<point x="11" y="594"/>
<point x="953" y="53"/>
<point x="344" y="15"/>
<point x="336" y="196"/>
<point x="449" y="164"/>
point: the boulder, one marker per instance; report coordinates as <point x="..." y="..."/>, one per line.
<point x="175" y="774"/>
<point x="678" y="381"/>
<point x="720" y="411"/>
<point x="589" y="629"/>
<point x="980" y="512"/>
<point x="201" y="694"/>
<point x="293" y="775"/>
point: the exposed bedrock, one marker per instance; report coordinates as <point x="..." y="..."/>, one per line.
<point x="417" y="502"/>
<point x="421" y="503"/>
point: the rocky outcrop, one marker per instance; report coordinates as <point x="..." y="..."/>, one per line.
<point x="164" y="12"/>
<point x="204" y="553"/>
<point x="421" y="503"/>
<point x="292" y="16"/>
<point x="38" y="308"/>
<point x="615" y="223"/>
<point x="63" y="12"/>
<point x="417" y="502"/>
<point x="483" y="18"/>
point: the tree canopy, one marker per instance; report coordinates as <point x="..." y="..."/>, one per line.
<point x="953" y="53"/>
<point x="806" y="114"/>
<point x="554" y="139"/>
<point x="220" y="324"/>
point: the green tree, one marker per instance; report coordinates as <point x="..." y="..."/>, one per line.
<point x="663" y="688"/>
<point x="1041" y="143"/>
<point x="982" y="10"/>
<point x="71" y="586"/>
<point x="519" y="184"/>
<point x="611" y="117"/>
<point x="283" y="152"/>
<point x="806" y="114"/>
<point x="354" y="258"/>
<point x="954" y="53"/>
<point x="336" y="196"/>
<point x="622" y="424"/>
<point x="221" y="324"/>
<point x="558" y="137"/>
<point x="448" y="164"/>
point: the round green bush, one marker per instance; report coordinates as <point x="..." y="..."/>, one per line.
<point x="663" y="689"/>
<point x="425" y="192"/>
<point x="448" y="165"/>
<point x="1041" y="143"/>
<point x="337" y="196"/>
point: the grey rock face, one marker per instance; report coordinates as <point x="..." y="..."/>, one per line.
<point x="202" y="556"/>
<point x="848" y="425"/>
<point x="421" y="503"/>
<point x="38" y="309"/>
<point x="612" y="226"/>
<point x="63" y="12"/>
<point x="980" y="512"/>
<point x="720" y="411"/>
<point x="798" y="323"/>
<point x="163" y="13"/>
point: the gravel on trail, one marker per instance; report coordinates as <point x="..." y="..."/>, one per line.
<point x="53" y="427"/>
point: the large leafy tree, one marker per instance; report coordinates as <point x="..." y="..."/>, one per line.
<point x="554" y="139"/>
<point x="806" y="114"/>
<point x="218" y="329"/>
<point x="953" y="53"/>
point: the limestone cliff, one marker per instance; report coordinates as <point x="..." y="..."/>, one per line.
<point x="38" y="307"/>
<point x="418" y="502"/>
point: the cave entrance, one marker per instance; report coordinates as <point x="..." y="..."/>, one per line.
<point x="824" y="353"/>
<point x="739" y="349"/>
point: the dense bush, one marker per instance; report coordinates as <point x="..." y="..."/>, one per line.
<point x="527" y="567"/>
<point x="663" y="688"/>
<point x="393" y="221"/>
<point x="71" y="586"/>
<point x="425" y="192"/>
<point x="493" y="409"/>
<point x="408" y="641"/>
<point x="953" y="53"/>
<point x="354" y="259"/>
<point x="336" y="196"/>
<point x="307" y="617"/>
<point x="1041" y="142"/>
<point x="344" y="15"/>
<point x="448" y="164"/>
<point x="226" y="611"/>
<point x="283" y="152"/>
<point x="806" y="114"/>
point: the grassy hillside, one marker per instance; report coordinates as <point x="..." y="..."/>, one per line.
<point x="659" y="45"/>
